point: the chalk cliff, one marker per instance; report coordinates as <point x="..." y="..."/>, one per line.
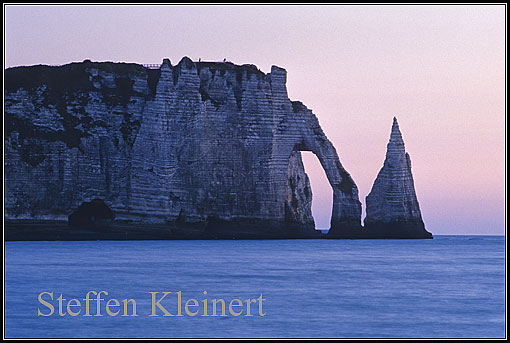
<point x="392" y="206"/>
<point x="207" y="145"/>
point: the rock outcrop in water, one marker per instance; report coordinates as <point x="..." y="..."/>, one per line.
<point x="200" y="145"/>
<point x="392" y="206"/>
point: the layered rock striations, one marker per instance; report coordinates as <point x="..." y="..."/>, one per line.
<point x="392" y="208"/>
<point x="210" y="146"/>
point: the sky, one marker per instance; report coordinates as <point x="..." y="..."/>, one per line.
<point x="439" y="69"/>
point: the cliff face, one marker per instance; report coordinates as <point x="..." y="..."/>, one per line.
<point x="392" y="206"/>
<point x="198" y="142"/>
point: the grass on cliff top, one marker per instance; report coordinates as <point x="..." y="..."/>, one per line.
<point x="64" y="79"/>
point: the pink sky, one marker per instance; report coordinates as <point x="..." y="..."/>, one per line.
<point x="439" y="69"/>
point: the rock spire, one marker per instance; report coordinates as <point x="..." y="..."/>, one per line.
<point x="392" y="206"/>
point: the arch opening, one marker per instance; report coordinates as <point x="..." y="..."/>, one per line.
<point x="322" y="192"/>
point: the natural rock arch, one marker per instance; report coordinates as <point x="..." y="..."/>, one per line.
<point x="346" y="209"/>
<point x="186" y="143"/>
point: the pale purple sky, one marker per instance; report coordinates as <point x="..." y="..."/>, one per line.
<point x="439" y="69"/>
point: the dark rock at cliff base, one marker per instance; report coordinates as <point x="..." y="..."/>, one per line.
<point x="393" y="210"/>
<point x="257" y="229"/>
<point x="93" y="215"/>
<point x="350" y="229"/>
<point x="404" y="229"/>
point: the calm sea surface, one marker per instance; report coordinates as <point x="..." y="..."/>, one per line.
<point x="451" y="286"/>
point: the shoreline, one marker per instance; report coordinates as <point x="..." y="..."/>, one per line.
<point x="55" y="230"/>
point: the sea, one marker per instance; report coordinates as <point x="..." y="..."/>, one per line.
<point x="446" y="287"/>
